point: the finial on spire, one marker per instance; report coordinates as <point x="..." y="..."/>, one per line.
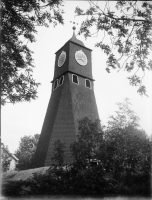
<point x="74" y="39"/>
<point x="74" y="27"/>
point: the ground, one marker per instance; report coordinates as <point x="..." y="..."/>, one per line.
<point x="22" y="175"/>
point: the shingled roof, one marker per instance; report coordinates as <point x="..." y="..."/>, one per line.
<point x="75" y="40"/>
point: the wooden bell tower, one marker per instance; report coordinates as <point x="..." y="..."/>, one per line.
<point x="71" y="100"/>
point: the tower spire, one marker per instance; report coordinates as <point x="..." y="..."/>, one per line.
<point x="74" y="27"/>
<point x="74" y="39"/>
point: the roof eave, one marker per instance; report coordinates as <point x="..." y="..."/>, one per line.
<point x="73" y="43"/>
<point x="71" y="72"/>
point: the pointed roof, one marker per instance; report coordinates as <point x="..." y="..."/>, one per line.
<point x="10" y="154"/>
<point x="75" y="40"/>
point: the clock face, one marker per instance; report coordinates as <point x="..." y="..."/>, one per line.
<point x="81" y="58"/>
<point x="62" y="58"/>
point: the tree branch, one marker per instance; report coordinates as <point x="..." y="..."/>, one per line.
<point x="121" y="19"/>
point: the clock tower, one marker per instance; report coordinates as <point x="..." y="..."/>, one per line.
<point x="71" y="100"/>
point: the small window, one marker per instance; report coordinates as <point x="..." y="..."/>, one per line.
<point x="55" y="85"/>
<point x="88" y="83"/>
<point x="75" y="79"/>
<point x="61" y="80"/>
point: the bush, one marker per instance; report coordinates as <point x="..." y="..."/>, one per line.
<point x="72" y="181"/>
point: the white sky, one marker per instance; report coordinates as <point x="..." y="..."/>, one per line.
<point x="27" y="118"/>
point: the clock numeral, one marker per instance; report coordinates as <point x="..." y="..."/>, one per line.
<point x="62" y="58"/>
<point x="81" y="57"/>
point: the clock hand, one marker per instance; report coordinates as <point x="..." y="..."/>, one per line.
<point x="80" y="59"/>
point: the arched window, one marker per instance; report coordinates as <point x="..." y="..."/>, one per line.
<point x="61" y="80"/>
<point x="88" y="83"/>
<point x="55" y="85"/>
<point x="75" y="79"/>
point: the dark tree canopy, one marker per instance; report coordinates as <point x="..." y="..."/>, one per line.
<point x="126" y="146"/>
<point x="126" y="35"/>
<point x="126" y="150"/>
<point x="89" y="140"/>
<point x="26" y="151"/>
<point x="120" y="147"/>
<point x="19" y="21"/>
<point x="114" y="160"/>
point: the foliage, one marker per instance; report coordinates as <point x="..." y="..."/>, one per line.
<point x="122" y="153"/>
<point x="126" y="150"/>
<point x="5" y="157"/>
<point x="124" y="116"/>
<point x="123" y="150"/>
<point x="26" y="151"/>
<point x="19" y="21"/>
<point x="89" y="139"/>
<point x="90" y="182"/>
<point x="58" y="153"/>
<point x="126" y="35"/>
<point x="126" y="146"/>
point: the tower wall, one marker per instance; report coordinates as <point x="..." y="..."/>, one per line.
<point x="60" y="70"/>
<point x="74" y="66"/>
<point x="68" y="104"/>
<point x="83" y="101"/>
<point x="64" y="124"/>
<point x="47" y="127"/>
